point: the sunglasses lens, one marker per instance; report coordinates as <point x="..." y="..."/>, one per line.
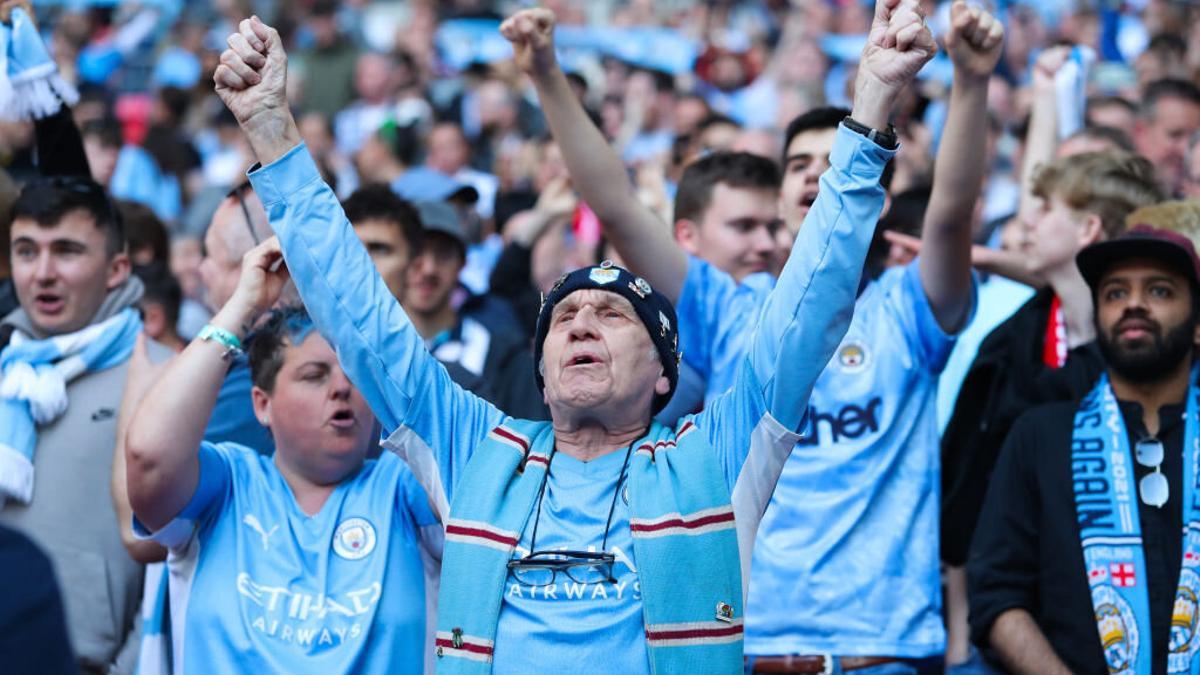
<point x="1149" y="452"/>
<point x="1153" y="488"/>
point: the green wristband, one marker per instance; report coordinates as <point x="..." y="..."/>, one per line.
<point x="233" y="346"/>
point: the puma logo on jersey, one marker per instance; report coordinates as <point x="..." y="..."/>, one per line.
<point x="252" y="523"/>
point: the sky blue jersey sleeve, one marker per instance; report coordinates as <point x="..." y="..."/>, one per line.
<point x="213" y="488"/>
<point x="806" y="315"/>
<point x="908" y="302"/>
<point x="381" y="352"/>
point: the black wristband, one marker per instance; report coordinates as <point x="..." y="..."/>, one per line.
<point x="885" y="139"/>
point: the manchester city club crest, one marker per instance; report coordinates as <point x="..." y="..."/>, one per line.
<point x="1118" y="630"/>
<point x="354" y="539"/>
<point x="1183" y="643"/>
<point x="852" y="357"/>
<point x="604" y="275"/>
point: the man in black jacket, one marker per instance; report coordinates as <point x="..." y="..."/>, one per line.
<point x="1105" y="476"/>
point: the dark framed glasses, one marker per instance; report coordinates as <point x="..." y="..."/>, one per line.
<point x="541" y="568"/>
<point x="1153" y="487"/>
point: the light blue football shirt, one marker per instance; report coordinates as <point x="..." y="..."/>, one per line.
<point x="846" y="559"/>
<point x="258" y="586"/>
<point x="571" y="626"/>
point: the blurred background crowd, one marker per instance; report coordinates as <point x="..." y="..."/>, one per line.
<point x="423" y="96"/>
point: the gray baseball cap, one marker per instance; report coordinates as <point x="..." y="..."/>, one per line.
<point x="442" y="217"/>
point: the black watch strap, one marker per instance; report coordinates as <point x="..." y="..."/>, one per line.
<point x="885" y="139"/>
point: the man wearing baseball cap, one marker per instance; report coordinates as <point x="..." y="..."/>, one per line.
<point x="600" y="539"/>
<point x="1114" y="476"/>
<point x="477" y="337"/>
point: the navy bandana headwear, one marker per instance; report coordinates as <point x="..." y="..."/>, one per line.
<point x="654" y="309"/>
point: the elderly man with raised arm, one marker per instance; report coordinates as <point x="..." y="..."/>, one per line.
<point x="601" y="537"/>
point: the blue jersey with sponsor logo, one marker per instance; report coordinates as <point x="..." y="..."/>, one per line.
<point x="846" y="559"/>
<point x="575" y="619"/>
<point x="258" y="586"/>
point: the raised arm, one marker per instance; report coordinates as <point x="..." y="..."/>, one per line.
<point x="807" y="314"/>
<point x="974" y="43"/>
<point x="641" y="237"/>
<point x="163" y="442"/>
<point x="1041" y="139"/>
<point x="409" y="391"/>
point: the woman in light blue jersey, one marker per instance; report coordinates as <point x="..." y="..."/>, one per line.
<point x="307" y="561"/>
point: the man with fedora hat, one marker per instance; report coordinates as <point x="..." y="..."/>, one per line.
<point x="600" y="538"/>
<point x="1114" y="476"/>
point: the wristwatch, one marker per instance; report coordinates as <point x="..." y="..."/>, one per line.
<point x="885" y="139"/>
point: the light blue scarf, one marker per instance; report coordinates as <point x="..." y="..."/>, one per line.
<point x="33" y="387"/>
<point x="684" y="541"/>
<point x="1106" y="503"/>
<point x="30" y="85"/>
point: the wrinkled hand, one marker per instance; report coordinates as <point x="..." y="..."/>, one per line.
<point x="975" y="40"/>
<point x="263" y="277"/>
<point x="1047" y="66"/>
<point x="252" y="73"/>
<point x="531" y="32"/>
<point x="898" y="46"/>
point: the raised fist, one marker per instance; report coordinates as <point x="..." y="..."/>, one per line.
<point x="975" y="40"/>
<point x="898" y="46"/>
<point x="252" y="73"/>
<point x="531" y="32"/>
<point x="1047" y="66"/>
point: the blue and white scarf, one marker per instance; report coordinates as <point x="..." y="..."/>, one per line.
<point x="154" y="656"/>
<point x="1106" y="503"/>
<point x="681" y="518"/>
<point x="30" y="85"/>
<point x="33" y="387"/>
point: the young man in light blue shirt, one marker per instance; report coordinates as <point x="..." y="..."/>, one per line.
<point x="609" y="360"/>
<point x="846" y="563"/>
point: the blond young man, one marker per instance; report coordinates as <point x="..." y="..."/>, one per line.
<point x="1044" y="351"/>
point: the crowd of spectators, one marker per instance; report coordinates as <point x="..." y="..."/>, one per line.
<point x="476" y="181"/>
